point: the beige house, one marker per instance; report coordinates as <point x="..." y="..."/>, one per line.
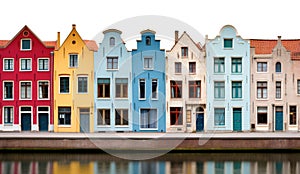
<point x="275" y="84"/>
<point x="185" y="86"/>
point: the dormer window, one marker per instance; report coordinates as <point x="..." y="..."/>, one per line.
<point x="278" y="67"/>
<point x="184" y="51"/>
<point x="148" y="40"/>
<point x="228" y="43"/>
<point x="25" y="44"/>
<point x="112" y="41"/>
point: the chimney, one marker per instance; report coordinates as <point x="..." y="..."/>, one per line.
<point x="58" y="40"/>
<point x="74" y="26"/>
<point x="176" y="36"/>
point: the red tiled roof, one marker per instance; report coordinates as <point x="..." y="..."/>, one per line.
<point x="91" y="44"/>
<point x="266" y="46"/>
<point x="50" y="43"/>
<point x="3" y="43"/>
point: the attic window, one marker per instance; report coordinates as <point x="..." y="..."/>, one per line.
<point x="112" y="41"/>
<point x="25" y="33"/>
<point x="73" y="34"/>
<point x="228" y="43"/>
<point x="25" y="44"/>
<point x="73" y="42"/>
<point x="278" y="67"/>
<point x="148" y="40"/>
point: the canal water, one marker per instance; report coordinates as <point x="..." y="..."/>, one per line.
<point x="172" y="163"/>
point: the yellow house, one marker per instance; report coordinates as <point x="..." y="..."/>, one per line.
<point x="73" y="84"/>
<point x="73" y="167"/>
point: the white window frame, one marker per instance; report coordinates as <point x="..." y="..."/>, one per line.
<point x="256" y="89"/>
<point x="121" y="88"/>
<point x="38" y="64"/>
<point x="157" y="89"/>
<point x="3" y="118"/>
<point x="122" y="125"/>
<point x="21" y="64"/>
<point x="38" y="90"/>
<point x="87" y="84"/>
<point x="13" y="65"/>
<point x="140" y="89"/>
<point x="112" y="68"/>
<point x="21" y="45"/>
<point x="59" y="85"/>
<point x="4" y="89"/>
<point x="70" y="60"/>
<point x="260" y="124"/>
<point x="20" y="93"/>
<point x="152" y="63"/>
<point x="157" y="119"/>
<point x="262" y="71"/>
<point x="228" y="47"/>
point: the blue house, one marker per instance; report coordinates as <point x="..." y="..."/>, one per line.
<point x="112" y="84"/>
<point x="148" y="85"/>
<point x="228" y="82"/>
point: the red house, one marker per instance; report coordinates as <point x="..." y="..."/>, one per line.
<point x="26" y="66"/>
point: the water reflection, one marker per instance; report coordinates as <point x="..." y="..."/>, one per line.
<point x="196" y="163"/>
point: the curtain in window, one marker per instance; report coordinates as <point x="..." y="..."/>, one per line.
<point x="153" y="118"/>
<point x="144" y="118"/>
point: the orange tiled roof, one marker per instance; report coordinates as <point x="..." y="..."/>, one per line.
<point x="91" y="44"/>
<point x="266" y="46"/>
<point x="50" y="43"/>
<point x="3" y="43"/>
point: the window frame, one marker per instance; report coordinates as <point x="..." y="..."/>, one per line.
<point x="235" y="89"/>
<point x="178" y="68"/>
<point x="278" y="67"/>
<point x="20" y="92"/>
<point x="156" y="91"/>
<point x="112" y="41"/>
<point x="220" y="90"/>
<point x="21" y="44"/>
<point x="184" y="52"/>
<point x="38" y="64"/>
<point x="64" y="112"/>
<point x="122" y="117"/>
<point x="280" y="90"/>
<point x="5" y="99"/>
<point x="122" y="91"/>
<point x="290" y="115"/>
<point x="30" y="59"/>
<point x="74" y="64"/>
<point x="106" y="115"/>
<point x="224" y="43"/>
<point x="177" y="85"/>
<point x="148" y="115"/>
<point x="145" y="92"/>
<point x="194" y="67"/>
<point x="220" y="62"/>
<point x="262" y="68"/>
<point x="38" y="90"/>
<point x="193" y="84"/>
<point x="178" y="114"/>
<point x="221" y="122"/>
<point x="11" y="116"/>
<point x="235" y="65"/>
<point x="104" y="86"/>
<point x="112" y="58"/>
<point x="87" y="84"/>
<point x="13" y="64"/>
<point x="151" y="63"/>
<point x="262" y="88"/>
<point x="257" y="112"/>
<point x="298" y="87"/>
<point x="69" y="89"/>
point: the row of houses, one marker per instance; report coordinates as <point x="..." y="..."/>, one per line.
<point x="227" y="84"/>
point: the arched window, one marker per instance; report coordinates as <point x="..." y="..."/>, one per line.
<point x="148" y="40"/>
<point x="278" y="67"/>
<point x="112" y="41"/>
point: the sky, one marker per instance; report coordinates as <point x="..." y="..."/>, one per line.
<point x="259" y="19"/>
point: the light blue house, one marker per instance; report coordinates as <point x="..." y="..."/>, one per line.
<point x="148" y="85"/>
<point x="228" y="82"/>
<point x="112" y="87"/>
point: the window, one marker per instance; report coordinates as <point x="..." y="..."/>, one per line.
<point x="25" y="64"/>
<point x="112" y="41"/>
<point x="25" y="90"/>
<point x="64" y="115"/>
<point x="103" y="117"/>
<point x="142" y="92"/>
<point x="43" y="90"/>
<point x="237" y="89"/>
<point x="219" y="168"/>
<point x="176" y="89"/>
<point x="148" y="40"/>
<point x="219" y="65"/>
<point x="112" y="62"/>
<point x="278" y="67"/>
<point x="188" y="116"/>
<point x="73" y="60"/>
<point x="184" y="51"/>
<point x="176" y="116"/>
<point x="298" y="86"/>
<point x="154" y="89"/>
<point x="8" y="90"/>
<point x="262" y="115"/>
<point x="8" y="65"/>
<point x="121" y="88"/>
<point x="177" y="67"/>
<point x="43" y="65"/>
<point x="228" y="43"/>
<point x="148" y="63"/>
<point x="219" y="90"/>
<point x="236" y="65"/>
<point x="278" y="90"/>
<point x="25" y="44"/>
<point x="8" y="115"/>
<point x="293" y="115"/>
<point x="121" y="117"/>
<point x="82" y="85"/>
<point x="148" y="118"/>
<point x="192" y="67"/>
<point x="262" y="90"/>
<point x="103" y="87"/>
<point x="194" y="89"/>
<point x="64" y="85"/>
<point x="262" y="67"/>
<point x="219" y="116"/>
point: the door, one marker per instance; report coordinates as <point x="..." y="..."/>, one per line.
<point x="199" y="121"/>
<point x="237" y="119"/>
<point x="26" y="122"/>
<point x="84" y="120"/>
<point x="43" y="121"/>
<point x="279" y="118"/>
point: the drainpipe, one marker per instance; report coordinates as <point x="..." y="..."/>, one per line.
<point x="273" y="118"/>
